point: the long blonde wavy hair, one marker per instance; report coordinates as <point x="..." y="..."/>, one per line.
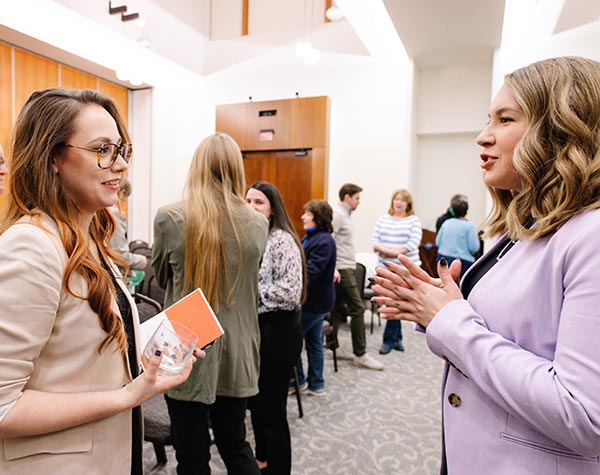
<point x="215" y="186"/>
<point x="558" y="157"/>
<point x="43" y="127"/>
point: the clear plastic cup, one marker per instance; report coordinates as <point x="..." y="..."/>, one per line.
<point x="176" y="342"/>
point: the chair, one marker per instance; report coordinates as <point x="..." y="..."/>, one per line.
<point x="157" y="426"/>
<point x="157" y="423"/>
<point x="146" y="306"/>
<point x="329" y="333"/>
<point x="297" y="391"/>
<point x="365" y="292"/>
<point x="428" y="253"/>
<point x="149" y="286"/>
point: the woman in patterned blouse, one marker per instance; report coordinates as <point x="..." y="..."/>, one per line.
<point x="281" y="287"/>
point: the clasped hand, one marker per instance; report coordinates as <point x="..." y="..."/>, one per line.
<point x="409" y="293"/>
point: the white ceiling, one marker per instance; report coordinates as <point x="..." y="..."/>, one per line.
<point x="433" y="32"/>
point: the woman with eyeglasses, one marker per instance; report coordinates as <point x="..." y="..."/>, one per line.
<point x="70" y="382"/>
<point x="214" y="241"/>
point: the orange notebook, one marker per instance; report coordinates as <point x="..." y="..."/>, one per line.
<point x="194" y="312"/>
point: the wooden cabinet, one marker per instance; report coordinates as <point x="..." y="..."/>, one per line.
<point x="231" y="119"/>
<point x="310" y="122"/>
<point x="284" y="142"/>
<point x="268" y="125"/>
<point x="277" y="125"/>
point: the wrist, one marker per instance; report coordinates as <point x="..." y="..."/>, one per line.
<point x="126" y="397"/>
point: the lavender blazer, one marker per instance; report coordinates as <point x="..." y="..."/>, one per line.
<point x="522" y="392"/>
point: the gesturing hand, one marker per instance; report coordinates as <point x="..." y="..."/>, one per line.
<point x="409" y="293"/>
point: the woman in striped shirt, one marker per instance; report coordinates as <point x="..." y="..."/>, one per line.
<point x="397" y="232"/>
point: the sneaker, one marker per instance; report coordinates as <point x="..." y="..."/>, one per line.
<point x="368" y="362"/>
<point x="341" y="354"/>
<point x="398" y="345"/>
<point x="385" y="349"/>
<point x="301" y="388"/>
<point x="316" y="392"/>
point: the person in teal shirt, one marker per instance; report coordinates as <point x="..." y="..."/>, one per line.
<point x="457" y="238"/>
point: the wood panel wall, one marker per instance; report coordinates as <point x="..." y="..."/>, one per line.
<point x="32" y="72"/>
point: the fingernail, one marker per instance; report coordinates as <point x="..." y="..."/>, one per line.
<point x="444" y="262"/>
<point x="386" y="263"/>
<point x="371" y="279"/>
<point x="157" y="353"/>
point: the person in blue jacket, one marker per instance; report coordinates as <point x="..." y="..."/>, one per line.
<point x="457" y="237"/>
<point x="320" y="253"/>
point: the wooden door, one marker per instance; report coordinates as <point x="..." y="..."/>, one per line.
<point x="292" y="173"/>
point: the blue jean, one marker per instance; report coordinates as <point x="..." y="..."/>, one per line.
<point x="392" y="332"/>
<point x="312" y="331"/>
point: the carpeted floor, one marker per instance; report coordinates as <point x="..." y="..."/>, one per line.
<point x="368" y="423"/>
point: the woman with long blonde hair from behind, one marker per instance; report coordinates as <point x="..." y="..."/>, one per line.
<point x="214" y="241"/>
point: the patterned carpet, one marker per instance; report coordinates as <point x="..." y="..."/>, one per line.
<point x="369" y="422"/>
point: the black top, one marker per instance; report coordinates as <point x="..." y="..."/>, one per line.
<point x="484" y="264"/>
<point x="136" y="414"/>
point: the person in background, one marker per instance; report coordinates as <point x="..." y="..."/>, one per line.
<point x="281" y="291"/>
<point x="320" y="253"/>
<point x="212" y="240"/>
<point x="457" y="237"/>
<point x="3" y="170"/>
<point x="520" y="336"/>
<point x="348" y="295"/>
<point x="70" y="384"/>
<point x="397" y="232"/>
<point x="119" y="242"/>
<point x="450" y="211"/>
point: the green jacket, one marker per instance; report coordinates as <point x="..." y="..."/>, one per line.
<point x="231" y="365"/>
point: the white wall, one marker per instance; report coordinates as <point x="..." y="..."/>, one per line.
<point x="451" y="104"/>
<point x="370" y="112"/>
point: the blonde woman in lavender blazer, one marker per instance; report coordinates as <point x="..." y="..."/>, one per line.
<point x="521" y="337"/>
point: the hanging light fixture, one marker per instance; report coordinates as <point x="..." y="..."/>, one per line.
<point x="129" y="68"/>
<point x="334" y="13"/>
<point x="304" y="48"/>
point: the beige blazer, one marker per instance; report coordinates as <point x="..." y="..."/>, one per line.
<point x="49" y="342"/>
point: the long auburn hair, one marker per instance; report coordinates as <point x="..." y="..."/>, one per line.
<point x="558" y="157"/>
<point x="280" y="219"/>
<point x="43" y="127"/>
<point x="214" y="187"/>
